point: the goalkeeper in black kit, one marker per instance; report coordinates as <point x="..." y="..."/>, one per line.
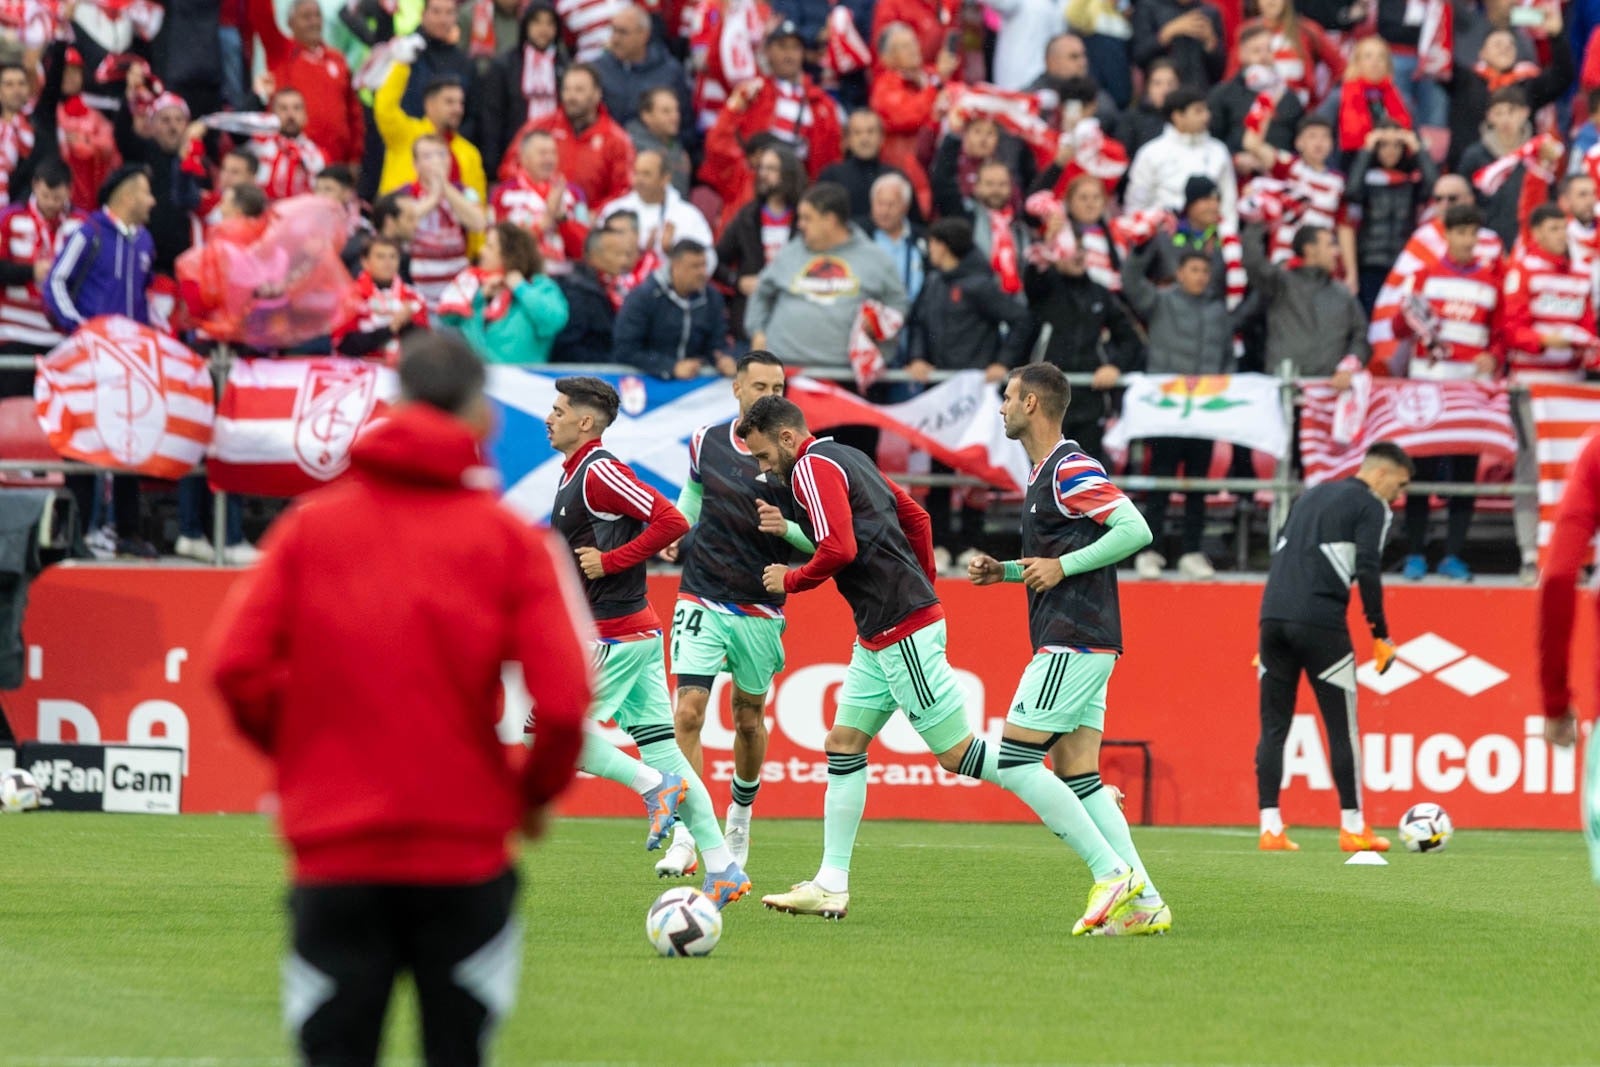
<point x="1333" y="539"/>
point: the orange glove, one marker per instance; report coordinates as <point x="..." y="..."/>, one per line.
<point x="1383" y="652"/>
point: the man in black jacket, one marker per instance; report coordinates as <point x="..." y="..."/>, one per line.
<point x="1497" y="58"/>
<point x="962" y="320"/>
<point x="1188" y="32"/>
<point x="501" y="103"/>
<point x="591" y="316"/>
<point x="160" y="141"/>
<point x="439" y="58"/>
<point x="1232" y="100"/>
<point x="861" y="165"/>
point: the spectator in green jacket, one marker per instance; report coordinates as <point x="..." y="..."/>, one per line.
<point x="516" y="310"/>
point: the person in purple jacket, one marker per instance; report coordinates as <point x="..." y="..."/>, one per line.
<point x="104" y="269"/>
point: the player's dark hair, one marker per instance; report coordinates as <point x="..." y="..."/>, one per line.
<point x="1544" y="213"/>
<point x="771" y="415"/>
<point x="1045" y="381"/>
<point x="758" y="355"/>
<point x="829" y="198"/>
<point x="1458" y="215"/>
<point x="52" y="173"/>
<point x="1391" y="453"/>
<point x="1305" y="237"/>
<point x="592" y="393"/>
<point x="440" y="370"/>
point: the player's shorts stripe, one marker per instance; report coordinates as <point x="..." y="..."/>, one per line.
<point x="1052" y="682"/>
<point x="914" y="670"/>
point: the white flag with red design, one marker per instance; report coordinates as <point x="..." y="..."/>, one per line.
<point x="957" y="422"/>
<point x="285" y="426"/>
<point x="1563" y="418"/>
<point x="120" y="394"/>
<point x="1425" y="418"/>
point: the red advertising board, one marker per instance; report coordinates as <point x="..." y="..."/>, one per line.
<point x="117" y="654"/>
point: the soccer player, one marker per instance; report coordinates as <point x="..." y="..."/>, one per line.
<point x="1576" y="521"/>
<point x="1076" y="527"/>
<point x="362" y="656"/>
<point x="614" y="523"/>
<point x="726" y="620"/>
<point x="1334" y="537"/>
<point x="876" y="543"/>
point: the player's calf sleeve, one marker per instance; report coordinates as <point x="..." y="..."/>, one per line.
<point x="744" y="793"/>
<point x="1113" y="824"/>
<point x="842" y="807"/>
<point x="602" y="759"/>
<point x="1022" y="771"/>
<point x="664" y="755"/>
<point x="980" y="762"/>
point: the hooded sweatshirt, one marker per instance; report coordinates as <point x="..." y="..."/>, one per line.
<point x="335" y="645"/>
<point x="806" y="302"/>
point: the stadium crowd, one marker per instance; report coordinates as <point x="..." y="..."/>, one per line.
<point x="1178" y="186"/>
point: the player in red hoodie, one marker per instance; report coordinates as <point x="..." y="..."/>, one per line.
<point x="363" y="657"/>
<point x="1577" y="519"/>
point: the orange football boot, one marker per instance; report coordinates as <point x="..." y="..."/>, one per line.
<point x="1279" y="842"/>
<point x="1365" y="841"/>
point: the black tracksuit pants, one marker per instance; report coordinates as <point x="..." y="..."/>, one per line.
<point x="1329" y="662"/>
<point x="460" y="944"/>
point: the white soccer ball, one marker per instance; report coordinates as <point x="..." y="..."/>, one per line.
<point x="1425" y="828"/>
<point x="19" y="792"/>
<point x="683" y="922"/>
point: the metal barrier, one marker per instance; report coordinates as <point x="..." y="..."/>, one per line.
<point x="1283" y="486"/>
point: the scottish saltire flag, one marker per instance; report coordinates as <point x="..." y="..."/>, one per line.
<point x="651" y="433"/>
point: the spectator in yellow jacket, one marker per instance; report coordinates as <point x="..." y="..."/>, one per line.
<point x="443" y="106"/>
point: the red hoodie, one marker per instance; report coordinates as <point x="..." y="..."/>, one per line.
<point x="1576" y="522"/>
<point x="363" y="656"/>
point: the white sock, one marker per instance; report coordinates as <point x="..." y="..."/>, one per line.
<point x="1350" y="820"/>
<point x="833" y="879"/>
<point x="682" y="836"/>
<point x="738" y="815"/>
<point x="645" y="779"/>
<point x="718" y="858"/>
<point x="1271" y="821"/>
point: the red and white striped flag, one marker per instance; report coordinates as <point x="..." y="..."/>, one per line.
<point x="1425" y="249"/>
<point x="121" y="394"/>
<point x="1425" y="418"/>
<point x="285" y="426"/>
<point x="1563" y="417"/>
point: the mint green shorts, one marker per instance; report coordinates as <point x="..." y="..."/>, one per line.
<point x="1061" y="691"/>
<point x="631" y="684"/>
<point x="709" y="642"/>
<point x="912" y="675"/>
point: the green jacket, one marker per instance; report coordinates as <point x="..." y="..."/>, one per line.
<point x="525" y="332"/>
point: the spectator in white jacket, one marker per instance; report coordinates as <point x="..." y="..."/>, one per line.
<point x="665" y="217"/>
<point x="1162" y="168"/>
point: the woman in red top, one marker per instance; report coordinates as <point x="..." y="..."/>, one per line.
<point x="1369" y="96"/>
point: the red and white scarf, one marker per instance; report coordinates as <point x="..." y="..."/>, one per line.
<point x="1003" y="251"/>
<point x="482" y="43"/>
<point x="1016" y="113"/>
<point x="539" y="80"/>
<point x="1496" y="80"/>
<point x="846" y="52"/>
<point x="875" y="323"/>
<point x="459" y="295"/>
<point x="1488" y="179"/>
<point x="16" y="143"/>
<point x="623" y="284"/>
<point x="1437" y="43"/>
<point x="791" y="115"/>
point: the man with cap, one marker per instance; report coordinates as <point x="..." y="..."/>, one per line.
<point x="160" y="140"/>
<point x="785" y="103"/>
<point x="103" y="269"/>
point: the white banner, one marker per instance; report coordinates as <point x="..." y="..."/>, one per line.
<point x="1244" y="409"/>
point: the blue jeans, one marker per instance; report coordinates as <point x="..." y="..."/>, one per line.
<point x="1110" y="65"/>
<point x="231" y="47"/>
<point x="194" y="496"/>
<point x="1429" y="103"/>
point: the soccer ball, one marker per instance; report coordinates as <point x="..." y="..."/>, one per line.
<point x="1425" y="828"/>
<point x="683" y="922"/>
<point x="19" y="792"/>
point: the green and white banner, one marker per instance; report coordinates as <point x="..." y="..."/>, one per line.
<point x="1244" y="409"/>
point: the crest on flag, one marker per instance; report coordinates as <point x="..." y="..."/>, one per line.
<point x="333" y="405"/>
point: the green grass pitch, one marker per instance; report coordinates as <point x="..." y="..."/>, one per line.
<point x="139" y="941"/>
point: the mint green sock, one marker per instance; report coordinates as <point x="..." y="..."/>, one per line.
<point x="842" y="808"/>
<point x="696" y="810"/>
<point x="1061" y="811"/>
<point x="981" y="762"/>
<point x="1113" y="824"/>
<point x="602" y="759"/>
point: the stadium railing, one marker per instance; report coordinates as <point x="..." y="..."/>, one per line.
<point x="1282" y="487"/>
